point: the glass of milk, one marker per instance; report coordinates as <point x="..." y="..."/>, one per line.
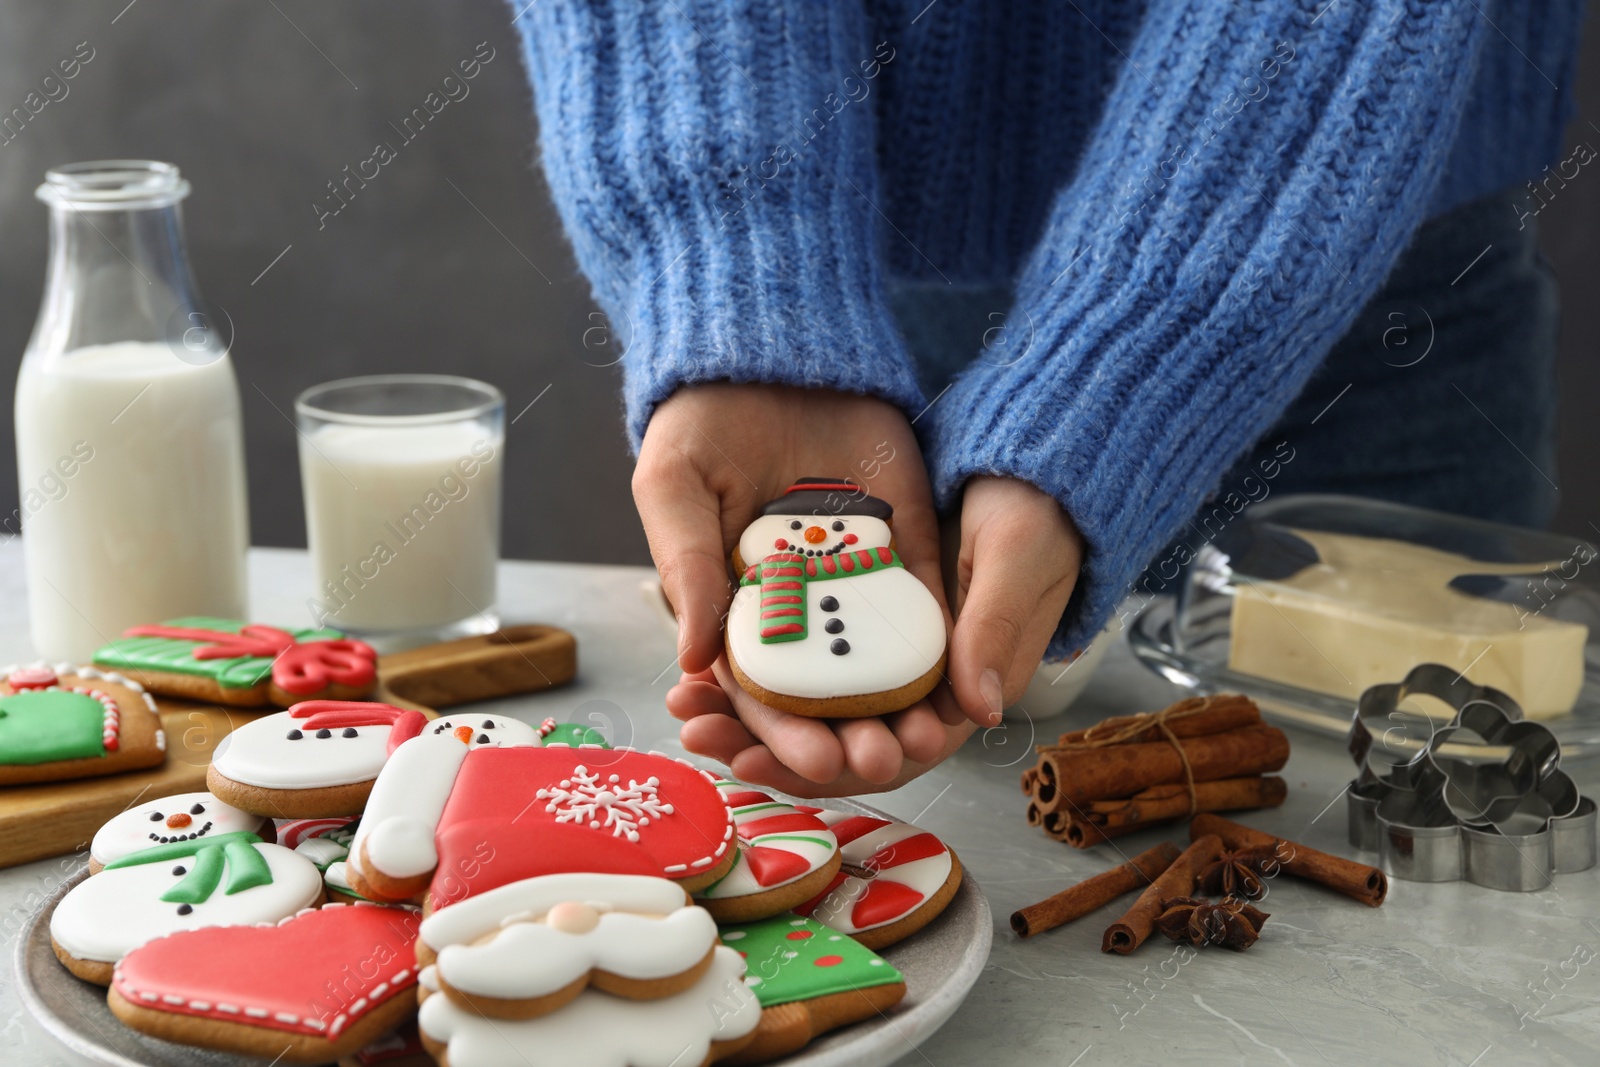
<point x="130" y="447"/>
<point x="401" y="476"/>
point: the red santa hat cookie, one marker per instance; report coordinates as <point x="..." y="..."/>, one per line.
<point x="827" y="622"/>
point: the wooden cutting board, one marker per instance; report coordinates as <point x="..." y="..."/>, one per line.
<point x="55" y="818"/>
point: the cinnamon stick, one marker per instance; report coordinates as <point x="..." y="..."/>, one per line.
<point x="1096" y="892"/>
<point x="1081" y="776"/>
<point x="1193" y="717"/>
<point x="1035" y="816"/>
<point x="1030" y="778"/>
<point x="1130" y="931"/>
<point x="1104" y="819"/>
<point x="1355" y="880"/>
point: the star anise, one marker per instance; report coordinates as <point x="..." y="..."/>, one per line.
<point x="1232" y="922"/>
<point x="1238" y="873"/>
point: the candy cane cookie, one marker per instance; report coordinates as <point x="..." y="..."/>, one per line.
<point x="896" y="879"/>
<point x="786" y="856"/>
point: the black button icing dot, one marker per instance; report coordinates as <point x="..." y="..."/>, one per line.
<point x="839" y="647"/>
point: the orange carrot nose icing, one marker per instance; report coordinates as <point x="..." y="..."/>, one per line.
<point x="463" y="734"/>
<point x="815" y="534"/>
<point x="178" y="820"/>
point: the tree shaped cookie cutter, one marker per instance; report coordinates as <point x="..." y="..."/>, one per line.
<point x="1464" y="787"/>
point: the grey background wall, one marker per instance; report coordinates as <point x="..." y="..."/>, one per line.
<point x="452" y="257"/>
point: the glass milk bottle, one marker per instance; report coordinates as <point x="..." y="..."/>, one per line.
<point x="130" y="452"/>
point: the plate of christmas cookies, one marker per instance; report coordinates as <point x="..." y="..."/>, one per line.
<point x="475" y="891"/>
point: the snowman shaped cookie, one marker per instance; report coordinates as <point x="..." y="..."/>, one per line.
<point x="181" y="817"/>
<point x="211" y="880"/>
<point x="827" y="622"/>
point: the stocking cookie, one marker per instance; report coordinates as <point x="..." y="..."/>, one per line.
<point x="316" y="760"/>
<point x="60" y="722"/>
<point x="183" y="817"/>
<point x="529" y="948"/>
<point x="896" y="879"/>
<point x="827" y="621"/>
<point x="711" y="1020"/>
<point x="786" y="857"/>
<point x="212" y="881"/>
<point x="446" y="803"/>
<point x="318" y="985"/>
<point x="810" y="979"/>
<point x="224" y="661"/>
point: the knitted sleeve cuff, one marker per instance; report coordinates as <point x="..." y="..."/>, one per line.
<point x="1257" y="171"/>
<point x="713" y="161"/>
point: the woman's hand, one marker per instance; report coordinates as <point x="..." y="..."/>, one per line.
<point x="712" y="455"/>
<point x="1017" y="564"/>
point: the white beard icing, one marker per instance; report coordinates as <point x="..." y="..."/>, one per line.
<point x="760" y="538"/>
<point x="470" y="919"/>
<point x="134" y="830"/>
<point x="114" y="912"/>
<point x="260" y="753"/>
<point x="892" y="623"/>
<point x="601" y="1030"/>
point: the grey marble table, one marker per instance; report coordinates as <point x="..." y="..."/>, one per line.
<point x="1441" y="974"/>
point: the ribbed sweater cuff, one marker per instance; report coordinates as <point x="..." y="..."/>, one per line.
<point x="1171" y="320"/>
<point x="713" y="162"/>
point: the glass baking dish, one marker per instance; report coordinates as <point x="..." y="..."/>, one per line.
<point x="1304" y="601"/>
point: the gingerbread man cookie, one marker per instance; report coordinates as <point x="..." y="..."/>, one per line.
<point x="316" y="986"/>
<point x="218" y="880"/>
<point x="60" y="722"/>
<point x="827" y="622"/>
<point x="224" y="661"/>
<point x="446" y="802"/>
<point x="316" y="760"/>
<point x="182" y="817"/>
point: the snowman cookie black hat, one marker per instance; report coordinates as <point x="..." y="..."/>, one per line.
<point x="827" y="621"/>
<point x="817" y="517"/>
<point x="825" y="497"/>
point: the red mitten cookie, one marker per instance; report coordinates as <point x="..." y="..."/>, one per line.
<point x="458" y="820"/>
<point x="66" y="722"/>
<point x="827" y="622"/>
<point x="309" y="989"/>
<point x="224" y="661"/>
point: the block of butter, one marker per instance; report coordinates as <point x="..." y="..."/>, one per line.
<point x="1372" y="608"/>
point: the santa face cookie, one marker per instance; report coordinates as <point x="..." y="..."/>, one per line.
<point x="786" y="857"/>
<point x="713" y="1019"/>
<point x="182" y="817"/>
<point x="455" y="820"/>
<point x="61" y="722"/>
<point x="316" y="760"/>
<point x="214" y="881"/>
<point x="827" y="621"/>
<point x="224" y="661"/>
<point x="529" y="948"/>
<point x="810" y="979"/>
<point x="318" y="985"/>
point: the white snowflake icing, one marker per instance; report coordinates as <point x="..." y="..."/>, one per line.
<point x="590" y="800"/>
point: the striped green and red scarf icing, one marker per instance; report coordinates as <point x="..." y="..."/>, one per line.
<point x="783" y="577"/>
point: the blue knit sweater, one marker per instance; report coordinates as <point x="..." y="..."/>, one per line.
<point x="1190" y="200"/>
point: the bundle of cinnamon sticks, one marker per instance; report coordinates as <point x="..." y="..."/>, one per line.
<point x="1126" y="773"/>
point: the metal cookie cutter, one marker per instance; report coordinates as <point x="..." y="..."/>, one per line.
<point x="1475" y="795"/>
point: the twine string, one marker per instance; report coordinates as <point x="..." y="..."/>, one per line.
<point x="1126" y="729"/>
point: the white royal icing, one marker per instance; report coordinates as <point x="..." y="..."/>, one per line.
<point x="396" y="835"/>
<point x="601" y="1030"/>
<point x="134" y="830"/>
<point x="322" y="851"/>
<point x="109" y="915"/>
<point x="531" y="959"/>
<point x="760" y="539"/>
<point x="531" y="898"/>
<point x="892" y="623"/>
<point x="260" y="753"/>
